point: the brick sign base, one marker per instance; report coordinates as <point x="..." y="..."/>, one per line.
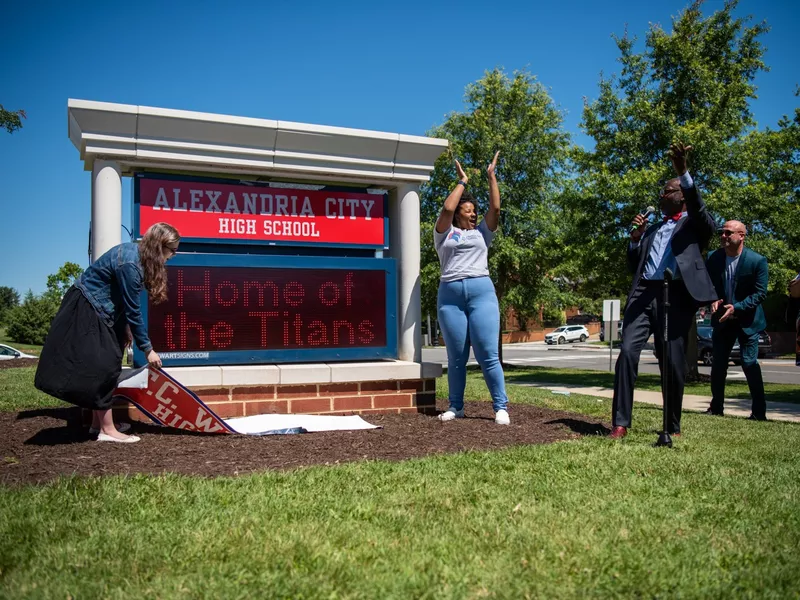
<point x="363" y="398"/>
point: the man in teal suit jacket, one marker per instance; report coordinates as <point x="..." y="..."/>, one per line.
<point x="740" y="277"/>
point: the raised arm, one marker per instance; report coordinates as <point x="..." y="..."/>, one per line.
<point x="492" y="217"/>
<point x="451" y="203"/>
<point x="702" y="221"/>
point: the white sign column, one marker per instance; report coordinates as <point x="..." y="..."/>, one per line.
<point x="106" y="207"/>
<point x="404" y="244"/>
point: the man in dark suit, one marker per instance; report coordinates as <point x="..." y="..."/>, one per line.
<point x="740" y="277"/>
<point x="675" y="245"/>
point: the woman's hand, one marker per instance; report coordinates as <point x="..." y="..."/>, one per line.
<point x="462" y="176"/>
<point x="493" y="165"/>
<point x="153" y="359"/>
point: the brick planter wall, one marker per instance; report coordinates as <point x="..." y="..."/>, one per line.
<point x="366" y="397"/>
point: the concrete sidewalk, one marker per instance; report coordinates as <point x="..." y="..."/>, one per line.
<point x="737" y="407"/>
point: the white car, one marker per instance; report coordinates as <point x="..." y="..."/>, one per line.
<point x="9" y="353"/>
<point x="567" y="333"/>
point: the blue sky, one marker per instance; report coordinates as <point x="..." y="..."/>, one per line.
<point x="398" y="68"/>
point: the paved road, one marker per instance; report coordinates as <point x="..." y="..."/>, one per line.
<point x="586" y="356"/>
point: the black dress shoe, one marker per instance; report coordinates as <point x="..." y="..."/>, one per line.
<point x="755" y="418"/>
<point x="713" y="411"/>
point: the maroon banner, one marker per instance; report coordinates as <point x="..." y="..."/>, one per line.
<point x="168" y="403"/>
<point x="236" y="211"/>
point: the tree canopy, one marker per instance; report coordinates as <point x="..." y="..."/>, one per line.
<point x="693" y="84"/>
<point x="566" y="210"/>
<point x="11" y="120"/>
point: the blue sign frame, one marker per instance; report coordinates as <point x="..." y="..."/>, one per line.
<point x="254" y="357"/>
<point x="137" y="234"/>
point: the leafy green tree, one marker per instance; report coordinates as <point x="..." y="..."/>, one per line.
<point x="693" y="84"/>
<point x="60" y="282"/>
<point x="29" y="322"/>
<point x="9" y="298"/>
<point x="515" y="115"/>
<point x="766" y="195"/>
<point x="11" y="120"/>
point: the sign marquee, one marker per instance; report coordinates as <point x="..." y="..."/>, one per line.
<point x="213" y="210"/>
<point x="240" y="309"/>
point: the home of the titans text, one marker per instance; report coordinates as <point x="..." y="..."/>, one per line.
<point x="241" y="309"/>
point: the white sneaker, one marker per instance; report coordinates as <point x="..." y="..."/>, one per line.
<point x="501" y="417"/>
<point x="451" y="414"/>
<point x="131" y="439"/>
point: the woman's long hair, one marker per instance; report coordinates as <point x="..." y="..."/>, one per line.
<point x="151" y="255"/>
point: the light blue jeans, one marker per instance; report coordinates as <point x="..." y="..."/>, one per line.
<point x="469" y="313"/>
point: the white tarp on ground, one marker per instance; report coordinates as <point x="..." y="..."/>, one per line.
<point x="258" y="424"/>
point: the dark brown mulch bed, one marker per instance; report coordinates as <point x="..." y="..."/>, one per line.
<point x="18" y="362"/>
<point x="40" y="445"/>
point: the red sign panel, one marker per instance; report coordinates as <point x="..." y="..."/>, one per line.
<point x="214" y="309"/>
<point x="218" y="211"/>
<point x="170" y="404"/>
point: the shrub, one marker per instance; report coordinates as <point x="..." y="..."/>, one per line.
<point x="29" y="322"/>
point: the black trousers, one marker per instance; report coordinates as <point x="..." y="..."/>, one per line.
<point x="724" y="336"/>
<point x="644" y="315"/>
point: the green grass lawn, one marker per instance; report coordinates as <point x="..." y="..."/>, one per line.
<point x="17" y="391"/>
<point x="717" y="516"/>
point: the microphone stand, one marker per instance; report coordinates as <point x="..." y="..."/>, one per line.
<point x="664" y="438"/>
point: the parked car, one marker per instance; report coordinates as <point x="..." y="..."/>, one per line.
<point x="9" y="353"/>
<point x="603" y="332"/>
<point x="705" y="347"/>
<point x="582" y="319"/>
<point x="764" y="344"/>
<point x="567" y="333"/>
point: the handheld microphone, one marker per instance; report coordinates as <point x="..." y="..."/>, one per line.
<point x="648" y="211"/>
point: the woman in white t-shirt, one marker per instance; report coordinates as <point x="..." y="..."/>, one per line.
<point x="467" y="303"/>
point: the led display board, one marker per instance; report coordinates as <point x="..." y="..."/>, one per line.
<point x="245" y="309"/>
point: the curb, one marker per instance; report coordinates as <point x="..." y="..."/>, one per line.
<point x="568" y="347"/>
